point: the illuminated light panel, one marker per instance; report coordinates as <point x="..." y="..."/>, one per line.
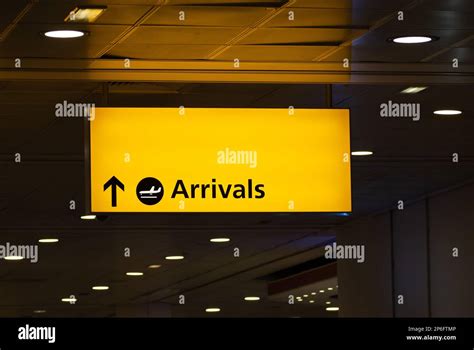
<point x="413" y="89"/>
<point x="64" y="34"/>
<point x="447" y="112"/>
<point x="84" y="14"/>
<point x="213" y="309"/>
<point x="412" y="39"/>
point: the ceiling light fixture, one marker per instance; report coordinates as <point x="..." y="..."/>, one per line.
<point x="69" y="300"/>
<point x="13" y="257"/>
<point x="419" y="39"/>
<point x="85" y="14"/>
<point x="100" y="287"/>
<point x="321" y="291"/>
<point x="220" y="240"/>
<point x="313" y="293"/>
<point x="447" y="112"/>
<point x="88" y="217"/>
<point x="64" y="34"/>
<point x="362" y="153"/>
<point x="155" y="266"/>
<point x="330" y="288"/>
<point x="328" y="303"/>
<point x="252" y="298"/>
<point x="305" y="296"/>
<point x="134" y="273"/>
<point x="311" y="301"/>
<point x="48" y="240"/>
<point x="175" y="257"/>
<point x="39" y="311"/>
<point x="213" y="309"/>
<point x="332" y="308"/>
<point x="413" y="89"/>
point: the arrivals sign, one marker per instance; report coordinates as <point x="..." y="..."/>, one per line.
<point x="219" y="160"/>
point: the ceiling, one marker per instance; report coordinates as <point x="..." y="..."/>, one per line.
<point x="411" y="159"/>
<point x="261" y="35"/>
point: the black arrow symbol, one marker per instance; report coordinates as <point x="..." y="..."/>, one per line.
<point x="114" y="182"/>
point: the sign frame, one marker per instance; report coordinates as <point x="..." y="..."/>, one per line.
<point x="88" y="174"/>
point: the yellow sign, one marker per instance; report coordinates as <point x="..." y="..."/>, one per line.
<point x="220" y="160"/>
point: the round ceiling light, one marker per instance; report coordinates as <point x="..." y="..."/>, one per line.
<point x="134" y="273"/>
<point x="213" y="309"/>
<point x="447" y="112"/>
<point x="252" y="298"/>
<point x="220" y="240"/>
<point x="362" y="153"/>
<point x="174" y="257"/>
<point x="412" y="39"/>
<point x="64" y="34"/>
<point x="48" y="240"/>
<point x="13" y="257"/>
<point x="100" y="287"/>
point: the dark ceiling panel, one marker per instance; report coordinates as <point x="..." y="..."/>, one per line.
<point x="9" y="11"/>
<point x="207" y="16"/>
<point x="162" y="52"/>
<point x="355" y="4"/>
<point x="300" y="36"/>
<point x="268" y="53"/>
<point x="175" y="35"/>
<point x="311" y="17"/>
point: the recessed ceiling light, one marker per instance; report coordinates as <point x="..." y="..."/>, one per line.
<point x="362" y="153"/>
<point x="100" y="287"/>
<point x="313" y="293"/>
<point x="321" y="291"/>
<point x="412" y="39"/>
<point x="64" y="34"/>
<point x="332" y="308"/>
<point x="252" y="298"/>
<point x="299" y="299"/>
<point x="156" y="266"/>
<point x="305" y="296"/>
<point x="134" y="273"/>
<point x="83" y="14"/>
<point x="413" y="89"/>
<point x="330" y="288"/>
<point x="13" y="257"/>
<point x="447" y="112"/>
<point x="48" y="240"/>
<point x="175" y="257"/>
<point x="220" y="240"/>
<point x="88" y="217"/>
<point x="213" y="309"/>
<point x="311" y="301"/>
<point x="328" y="303"/>
<point x="39" y="311"/>
<point x="69" y="300"/>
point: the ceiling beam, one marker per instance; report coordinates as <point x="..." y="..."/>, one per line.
<point x="224" y="72"/>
